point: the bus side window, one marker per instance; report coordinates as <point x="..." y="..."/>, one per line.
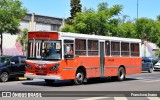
<point x="68" y="49"/>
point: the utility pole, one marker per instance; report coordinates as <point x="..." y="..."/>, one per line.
<point x="137" y="9"/>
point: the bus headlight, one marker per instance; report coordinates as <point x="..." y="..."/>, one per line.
<point x="54" y="67"/>
<point x="28" y="66"/>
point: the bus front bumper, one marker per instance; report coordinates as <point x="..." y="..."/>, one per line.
<point x="52" y="77"/>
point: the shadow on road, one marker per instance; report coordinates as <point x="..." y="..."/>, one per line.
<point x="65" y="83"/>
<point x="58" y="83"/>
<point x="156" y="70"/>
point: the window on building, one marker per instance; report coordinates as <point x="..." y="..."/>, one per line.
<point x="115" y="48"/>
<point x="92" y="47"/>
<point x="134" y="49"/>
<point x="124" y="49"/>
<point x="55" y="27"/>
<point x="80" y="47"/>
<point x="107" y="48"/>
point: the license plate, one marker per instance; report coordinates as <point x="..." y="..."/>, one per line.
<point x="40" y="71"/>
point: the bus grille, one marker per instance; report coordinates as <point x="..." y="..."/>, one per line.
<point x="41" y="71"/>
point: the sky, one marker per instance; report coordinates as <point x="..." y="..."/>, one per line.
<point x="61" y="8"/>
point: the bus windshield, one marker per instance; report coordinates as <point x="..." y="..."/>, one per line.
<point x="40" y="49"/>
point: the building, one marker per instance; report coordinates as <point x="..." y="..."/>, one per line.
<point x="35" y="22"/>
<point x="148" y="49"/>
<point x="32" y="22"/>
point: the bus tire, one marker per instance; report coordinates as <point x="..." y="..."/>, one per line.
<point x="79" y="77"/>
<point x="121" y="74"/>
<point x="49" y="81"/>
<point x="4" y="76"/>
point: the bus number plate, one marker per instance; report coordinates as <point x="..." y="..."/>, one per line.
<point x="40" y="71"/>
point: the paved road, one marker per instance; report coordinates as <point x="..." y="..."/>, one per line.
<point x="139" y="82"/>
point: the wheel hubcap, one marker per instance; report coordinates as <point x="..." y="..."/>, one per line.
<point x="4" y="76"/>
<point x="121" y="74"/>
<point x="79" y="77"/>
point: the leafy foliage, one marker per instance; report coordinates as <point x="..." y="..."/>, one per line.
<point x="127" y="30"/>
<point x="75" y="8"/>
<point x="11" y="13"/>
<point x="107" y="21"/>
<point x="98" y="22"/>
<point x="22" y="38"/>
<point x="68" y="28"/>
<point x="157" y="53"/>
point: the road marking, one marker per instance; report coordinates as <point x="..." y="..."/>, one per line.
<point x="120" y="98"/>
<point x="94" y="98"/>
<point x="153" y="98"/>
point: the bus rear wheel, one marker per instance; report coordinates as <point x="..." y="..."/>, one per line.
<point x="79" y="77"/>
<point x="121" y="74"/>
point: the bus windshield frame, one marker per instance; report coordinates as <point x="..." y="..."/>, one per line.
<point x="44" y="49"/>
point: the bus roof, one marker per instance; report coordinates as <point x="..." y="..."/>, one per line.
<point x="86" y="36"/>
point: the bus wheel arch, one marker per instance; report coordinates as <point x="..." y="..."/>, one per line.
<point x="80" y="75"/>
<point x="121" y="73"/>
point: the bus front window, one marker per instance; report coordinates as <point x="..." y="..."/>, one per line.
<point x="39" y="49"/>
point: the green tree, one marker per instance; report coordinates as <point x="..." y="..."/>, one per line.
<point x="157" y="53"/>
<point x="75" y="7"/>
<point x="68" y="28"/>
<point x="147" y="29"/>
<point x="11" y="13"/>
<point x="156" y="35"/>
<point x="127" y="30"/>
<point x="158" y="17"/>
<point x="98" y="22"/>
<point x="22" y="38"/>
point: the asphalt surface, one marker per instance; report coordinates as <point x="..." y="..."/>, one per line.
<point x="140" y="82"/>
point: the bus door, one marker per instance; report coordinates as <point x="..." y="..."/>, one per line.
<point x="102" y="59"/>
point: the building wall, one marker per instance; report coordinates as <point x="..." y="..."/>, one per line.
<point x="33" y="23"/>
<point x="24" y="24"/>
<point x="9" y="45"/>
<point x="42" y="27"/>
<point x="148" y="50"/>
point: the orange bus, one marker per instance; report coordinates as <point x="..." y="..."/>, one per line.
<point x="63" y="56"/>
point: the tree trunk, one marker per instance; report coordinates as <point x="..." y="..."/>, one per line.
<point x="1" y="49"/>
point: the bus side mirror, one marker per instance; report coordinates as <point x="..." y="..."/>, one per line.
<point x="69" y="56"/>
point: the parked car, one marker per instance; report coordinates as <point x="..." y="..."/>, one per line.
<point x="147" y="64"/>
<point x="11" y="66"/>
<point x="157" y="65"/>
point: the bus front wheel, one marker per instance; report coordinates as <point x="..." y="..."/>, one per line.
<point x="79" y="77"/>
<point x="121" y="74"/>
